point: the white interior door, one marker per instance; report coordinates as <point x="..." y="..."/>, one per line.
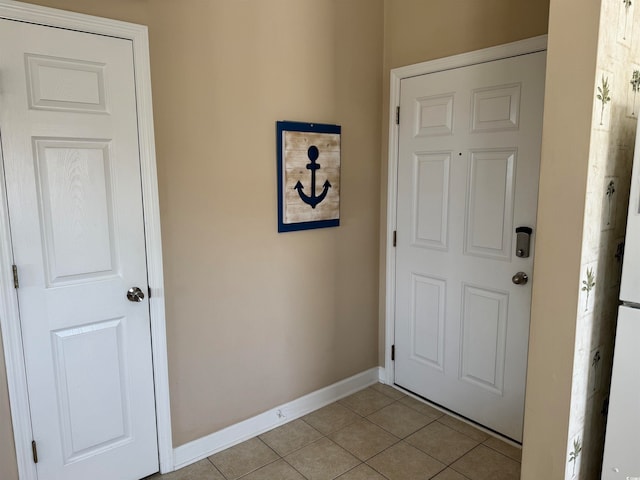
<point x="68" y="128"/>
<point x="468" y="168"/>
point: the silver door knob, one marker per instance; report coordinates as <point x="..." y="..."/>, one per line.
<point x="520" y="278"/>
<point x="134" y="294"/>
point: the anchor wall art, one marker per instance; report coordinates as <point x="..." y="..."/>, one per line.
<point x="308" y="175"/>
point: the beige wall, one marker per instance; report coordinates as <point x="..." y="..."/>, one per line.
<point x="613" y="128"/>
<point x="419" y="30"/>
<point x="563" y="186"/>
<point x="256" y="318"/>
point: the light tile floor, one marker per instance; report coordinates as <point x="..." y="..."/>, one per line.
<point x="376" y="434"/>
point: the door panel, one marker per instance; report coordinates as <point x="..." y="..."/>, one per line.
<point x="468" y="167"/>
<point x="65" y="84"/>
<point x="427" y="320"/>
<point x="489" y="212"/>
<point x="434" y="115"/>
<point x="94" y="409"/>
<point x="68" y="122"/>
<point x="496" y="108"/>
<point x="484" y="329"/>
<point x="431" y="199"/>
<point x="73" y="185"/>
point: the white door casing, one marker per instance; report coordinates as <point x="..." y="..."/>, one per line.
<point x="93" y="148"/>
<point x="455" y="254"/>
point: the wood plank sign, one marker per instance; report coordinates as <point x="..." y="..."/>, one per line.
<point x="308" y="175"/>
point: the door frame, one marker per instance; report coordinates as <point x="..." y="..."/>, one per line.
<point x="9" y="314"/>
<point x="500" y="52"/>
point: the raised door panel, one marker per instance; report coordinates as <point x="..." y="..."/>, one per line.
<point x="434" y="115"/>
<point x="431" y="199"/>
<point x="93" y="394"/>
<point x="491" y="190"/>
<point x="76" y="198"/>
<point x="428" y="314"/>
<point x="484" y="336"/>
<point x="65" y="84"/>
<point x="496" y="108"/>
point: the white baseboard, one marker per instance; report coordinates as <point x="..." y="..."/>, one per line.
<point x="203" y="447"/>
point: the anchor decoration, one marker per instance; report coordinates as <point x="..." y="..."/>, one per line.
<point x="308" y="165"/>
<point x="312" y="199"/>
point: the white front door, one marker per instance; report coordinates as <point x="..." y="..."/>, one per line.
<point x="68" y="128"/>
<point x="468" y="168"/>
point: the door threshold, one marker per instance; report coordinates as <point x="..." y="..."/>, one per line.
<point x="457" y="416"/>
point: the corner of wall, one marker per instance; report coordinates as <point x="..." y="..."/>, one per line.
<point x="561" y="211"/>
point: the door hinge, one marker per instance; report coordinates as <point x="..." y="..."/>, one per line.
<point x="395" y="237"/>
<point x="398" y="115"/>
<point x="149" y="292"/>
<point x="16" y="284"/>
<point x="34" y="449"/>
<point x="393" y="352"/>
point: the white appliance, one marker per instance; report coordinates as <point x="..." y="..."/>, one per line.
<point x="622" y="442"/>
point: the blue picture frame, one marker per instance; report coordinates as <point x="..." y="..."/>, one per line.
<point x="308" y="163"/>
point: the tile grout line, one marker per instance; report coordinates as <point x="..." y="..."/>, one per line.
<point x="216" y="468"/>
<point x="498" y="451"/>
<point x="322" y="436"/>
<point x="360" y="417"/>
<point x="360" y="403"/>
<point x="489" y="448"/>
<point x="457" y="471"/>
<point x="400" y="439"/>
<point x="301" y="474"/>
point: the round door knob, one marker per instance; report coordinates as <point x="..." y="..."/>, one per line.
<point x="520" y="278"/>
<point x="134" y="294"/>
